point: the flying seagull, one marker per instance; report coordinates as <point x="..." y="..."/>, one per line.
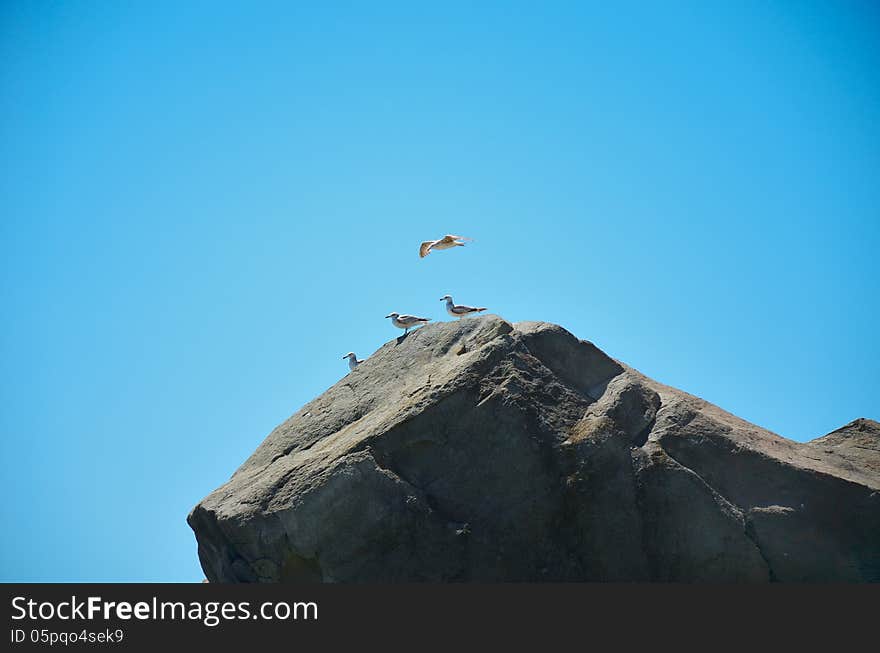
<point x="443" y="243"/>
<point x="406" y="322"/>
<point x="353" y="361"/>
<point x="458" y="310"/>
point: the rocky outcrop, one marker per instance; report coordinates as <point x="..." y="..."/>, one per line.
<point x="481" y="450"/>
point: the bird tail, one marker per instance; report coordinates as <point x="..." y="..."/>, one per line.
<point x="477" y="310"/>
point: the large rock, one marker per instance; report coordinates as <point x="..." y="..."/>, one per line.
<point x="478" y="450"/>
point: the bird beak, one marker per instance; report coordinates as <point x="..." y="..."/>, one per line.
<point x="389" y="315"/>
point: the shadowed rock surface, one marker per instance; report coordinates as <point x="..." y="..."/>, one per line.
<point x="479" y="450"/>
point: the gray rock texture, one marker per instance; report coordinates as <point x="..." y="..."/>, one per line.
<point x="480" y="450"/>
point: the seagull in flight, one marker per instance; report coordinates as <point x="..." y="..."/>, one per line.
<point x="458" y="310"/>
<point x="406" y="321"/>
<point x="443" y="243"/>
<point x="353" y="361"/>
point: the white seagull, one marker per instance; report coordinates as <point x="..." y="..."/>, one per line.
<point x="406" y="322"/>
<point x="458" y="310"/>
<point x="353" y="361"/>
<point x="443" y="243"/>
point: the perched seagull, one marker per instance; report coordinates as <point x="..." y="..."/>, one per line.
<point x="353" y="361"/>
<point x="406" y="322"/>
<point x="458" y="310"/>
<point x="443" y="243"/>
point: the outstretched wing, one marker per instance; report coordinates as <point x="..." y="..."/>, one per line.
<point x="449" y="238"/>
<point x="425" y="248"/>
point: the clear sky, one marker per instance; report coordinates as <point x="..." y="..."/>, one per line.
<point x="206" y="204"/>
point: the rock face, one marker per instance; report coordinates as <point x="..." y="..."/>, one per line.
<point x="483" y="451"/>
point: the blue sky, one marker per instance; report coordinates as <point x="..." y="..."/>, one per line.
<point x="204" y="205"/>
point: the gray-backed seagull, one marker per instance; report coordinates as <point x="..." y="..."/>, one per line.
<point x="458" y="310"/>
<point x="442" y="243"/>
<point x="406" y="322"/>
<point x="353" y="361"/>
